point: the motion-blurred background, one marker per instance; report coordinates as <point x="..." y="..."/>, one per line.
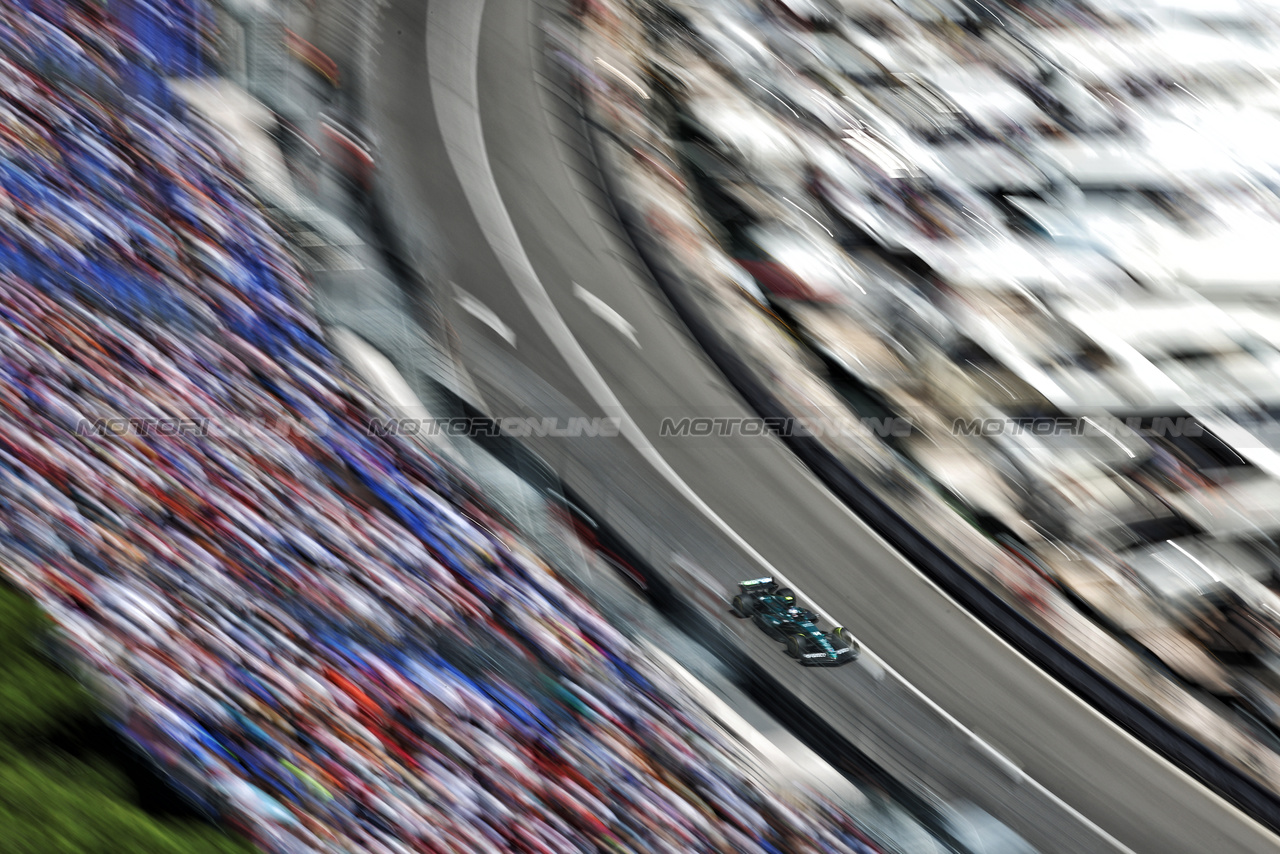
<point x="975" y="302"/>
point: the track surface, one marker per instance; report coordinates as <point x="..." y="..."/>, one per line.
<point x="1083" y="786"/>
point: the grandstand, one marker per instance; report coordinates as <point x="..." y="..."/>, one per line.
<point x="331" y="634"/>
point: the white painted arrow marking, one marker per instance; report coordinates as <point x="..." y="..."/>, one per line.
<point x="607" y="313"/>
<point x="484" y="314"/>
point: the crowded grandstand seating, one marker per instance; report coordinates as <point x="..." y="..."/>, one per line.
<point x="325" y="629"/>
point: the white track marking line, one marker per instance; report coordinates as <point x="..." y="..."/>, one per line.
<point x="607" y="313"/>
<point x="484" y="314"/>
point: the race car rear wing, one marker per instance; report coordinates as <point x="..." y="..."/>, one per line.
<point x="756" y="582"/>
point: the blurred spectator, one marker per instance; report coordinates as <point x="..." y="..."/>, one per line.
<point x="327" y="628"/>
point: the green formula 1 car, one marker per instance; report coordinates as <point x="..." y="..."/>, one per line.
<point x="774" y="610"/>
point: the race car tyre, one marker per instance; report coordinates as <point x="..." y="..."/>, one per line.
<point x="788" y="595"/>
<point x="841" y="638"/>
<point x="798" y="645"/>
<point x="743" y="606"/>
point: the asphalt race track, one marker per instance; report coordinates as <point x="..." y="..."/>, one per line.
<point x="523" y="233"/>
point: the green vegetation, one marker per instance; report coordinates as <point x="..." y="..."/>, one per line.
<point x="67" y="786"/>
